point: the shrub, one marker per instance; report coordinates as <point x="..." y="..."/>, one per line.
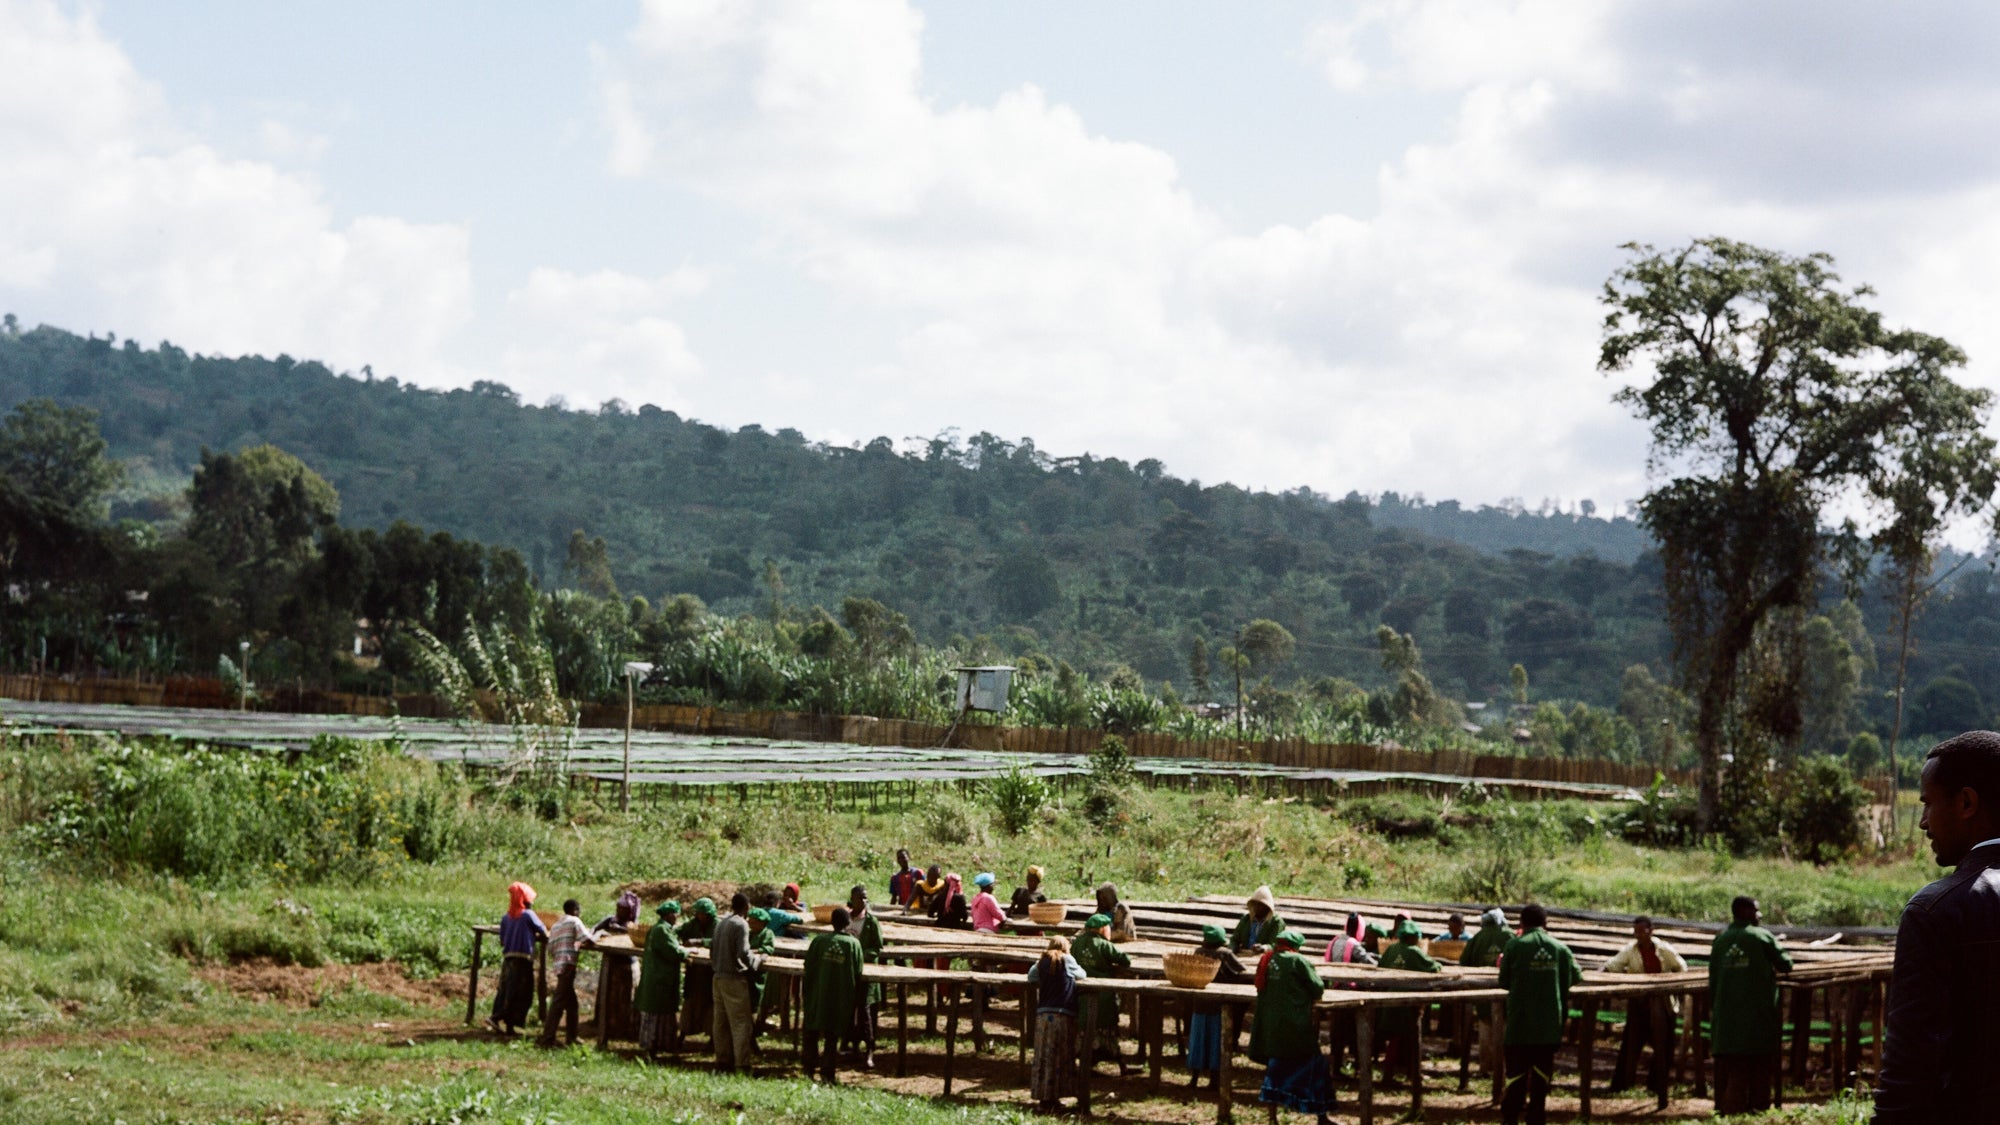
<point x="949" y="819"/>
<point x="1108" y="778"/>
<point x="1017" y="797"/>
<point x="1821" y="809"/>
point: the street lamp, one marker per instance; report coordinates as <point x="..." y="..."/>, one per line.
<point x="634" y="670"/>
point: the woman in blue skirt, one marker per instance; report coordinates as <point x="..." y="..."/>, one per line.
<point x="1285" y="1034"/>
<point x="1204" y="1051"/>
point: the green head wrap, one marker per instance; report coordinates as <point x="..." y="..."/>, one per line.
<point x="1213" y="935"/>
<point x="760" y="914"/>
<point x="705" y="905"/>
<point x="1097" y="921"/>
<point x="668" y="909"/>
<point x="1291" y="938"/>
<point x="1407" y="930"/>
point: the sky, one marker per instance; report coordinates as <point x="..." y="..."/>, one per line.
<point x="1349" y="246"/>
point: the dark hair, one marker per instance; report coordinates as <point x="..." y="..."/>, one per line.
<point x="859" y="892"/>
<point x="571" y="906"/>
<point x="1534" y="916"/>
<point x="1643" y="920"/>
<point x="841" y="918"/>
<point x="1969" y="761"/>
<point x="1455" y="919"/>
<point x="770" y="898"/>
<point x="739" y="903"/>
<point x="1742" y="908"/>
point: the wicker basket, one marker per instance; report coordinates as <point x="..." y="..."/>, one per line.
<point x="1047" y="913"/>
<point x="636" y="933"/>
<point x="549" y="917"/>
<point x="1189" y="970"/>
<point x="824" y="912"/>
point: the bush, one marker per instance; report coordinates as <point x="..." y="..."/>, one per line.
<point x="1017" y="797"/>
<point x="338" y="810"/>
<point x="1659" y="818"/>
<point x="1821" y="808"/>
<point x="1106" y="782"/>
<point x="950" y="819"/>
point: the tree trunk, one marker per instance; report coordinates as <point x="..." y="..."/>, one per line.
<point x="1906" y="609"/>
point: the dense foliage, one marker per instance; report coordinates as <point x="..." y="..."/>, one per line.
<point x="269" y="501"/>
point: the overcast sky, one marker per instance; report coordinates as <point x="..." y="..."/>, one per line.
<point x="1349" y="246"/>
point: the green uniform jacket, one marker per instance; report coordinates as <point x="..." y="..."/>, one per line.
<point x="764" y="941"/>
<point x="832" y="983"/>
<point x="870" y="938"/>
<point x="1283" y="1025"/>
<point x="1100" y="958"/>
<point x="660" y="972"/>
<point x="1743" y="968"/>
<point x="1249" y="932"/>
<point x="1411" y="959"/>
<point x="1537" y="972"/>
<point x="1482" y="949"/>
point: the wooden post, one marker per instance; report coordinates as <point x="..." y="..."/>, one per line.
<point x="1495" y="1052"/>
<point x="1417" y="1065"/>
<point x="542" y="980"/>
<point x="1586" y="1054"/>
<point x="1224" y="1112"/>
<point x="472" y="986"/>
<point x="950" y="1037"/>
<point x="978" y="1018"/>
<point x="597" y="1011"/>
<point x="625" y="785"/>
<point x="1364" y="1061"/>
<point x="1697" y="1011"/>
<point x="1801" y="1040"/>
<point x="1155" y="1030"/>
<point x="1087" y="1047"/>
<point x="1462" y="1034"/>
<point x="902" y="1028"/>
<point x="1027" y="1031"/>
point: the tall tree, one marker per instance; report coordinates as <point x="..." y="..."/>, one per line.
<point x="55" y="454"/>
<point x="1774" y="397"/>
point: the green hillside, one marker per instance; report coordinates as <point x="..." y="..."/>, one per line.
<point x="1090" y="560"/>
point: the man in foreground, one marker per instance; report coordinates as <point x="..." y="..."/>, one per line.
<point x="1744" y="1024"/>
<point x="1943" y="1037"/>
<point x="735" y="965"/>
<point x="566" y="939"/>
<point x="833" y="988"/>
<point x="1537" y="971"/>
<point x="1649" y="1020"/>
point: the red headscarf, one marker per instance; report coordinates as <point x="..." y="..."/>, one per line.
<point x="520" y="896"/>
<point x="952" y="885"/>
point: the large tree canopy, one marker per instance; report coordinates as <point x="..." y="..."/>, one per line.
<point x="1777" y="401"/>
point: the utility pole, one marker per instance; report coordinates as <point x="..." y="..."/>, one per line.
<point x="633" y="671"/>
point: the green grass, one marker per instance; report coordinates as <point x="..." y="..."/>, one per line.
<point x="104" y="963"/>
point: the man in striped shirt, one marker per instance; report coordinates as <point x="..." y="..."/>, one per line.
<point x="566" y="939"/>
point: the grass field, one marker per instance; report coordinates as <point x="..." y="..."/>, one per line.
<point x="118" y="999"/>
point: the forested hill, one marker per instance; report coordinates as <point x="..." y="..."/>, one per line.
<point x="1103" y="561"/>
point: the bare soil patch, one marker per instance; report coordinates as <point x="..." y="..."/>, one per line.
<point x="300" y="986"/>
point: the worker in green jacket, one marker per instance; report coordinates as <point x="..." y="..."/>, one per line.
<point x="862" y="925"/>
<point x="1093" y="950"/>
<point x="659" y="999"/>
<point x="764" y="941"/>
<point x="1260" y="923"/>
<point x="833" y="986"/>
<point x="1537" y="971"/>
<point x="1284" y="1034"/>
<point x="1482" y="950"/>
<point x="1743" y="967"/>
<point x="1399" y="1025"/>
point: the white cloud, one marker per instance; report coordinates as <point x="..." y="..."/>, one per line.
<point x="608" y="331"/>
<point x="111" y="217"/>
<point x="1048" y="280"/>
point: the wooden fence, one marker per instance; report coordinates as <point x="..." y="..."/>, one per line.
<point x="1295" y="753"/>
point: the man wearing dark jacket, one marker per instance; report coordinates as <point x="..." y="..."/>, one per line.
<point x="1943" y="1036"/>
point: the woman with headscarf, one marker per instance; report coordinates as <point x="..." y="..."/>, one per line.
<point x="659" y="999"/>
<point x="1093" y="950"/>
<point x="1204" y="1049"/>
<point x="697" y="1009"/>
<point x="1259" y="925"/>
<point x="950" y="908"/>
<point x="1054" y="975"/>
<point x="1283" y="1033"/>
<point x="1347" y="948"/>
<point x="1027" y="894"/>
<point x="987" y="917"/>
<point x="614" y="980"/>
<point x="1122" y="928"/>
<point x="1482" y="950"/>
<point x="519" y="930"/>
<point x="928" y="890"/>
